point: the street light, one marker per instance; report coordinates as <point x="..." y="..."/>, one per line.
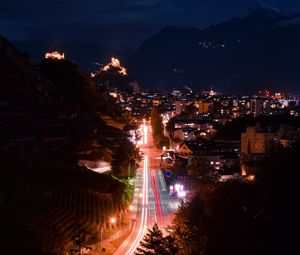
<point x="101" y="249"/>
<point x="182" y="193"/>
<point x="131" y="207"/>
<point x="112" y="220"/>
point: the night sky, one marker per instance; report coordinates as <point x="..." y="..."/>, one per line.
<point x="84" y="28"/>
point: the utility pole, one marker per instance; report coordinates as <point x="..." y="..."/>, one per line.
<point x="100" y="237"/>
<point x="77" y="237"/>
<point x="77" y="240"/>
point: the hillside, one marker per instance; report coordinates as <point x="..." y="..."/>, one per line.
<point x="50" y="119"/>
<point x="267" y="61"/>
<point x="114" y="76"/>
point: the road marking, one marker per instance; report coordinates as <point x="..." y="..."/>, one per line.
<point x="151" y="194"/>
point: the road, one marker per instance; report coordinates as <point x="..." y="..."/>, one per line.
<point x="152" y="202"/>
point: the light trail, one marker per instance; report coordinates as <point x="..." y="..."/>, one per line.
<point x="147" y="212"/>
<point x="157" y="199"/>
<point x="143" y="223"/>
<point x="145" y="134"/>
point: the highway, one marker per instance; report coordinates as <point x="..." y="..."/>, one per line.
<point x="152" y="202"/>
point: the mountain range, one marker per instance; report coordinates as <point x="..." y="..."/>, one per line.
<point x="244" y="54"/>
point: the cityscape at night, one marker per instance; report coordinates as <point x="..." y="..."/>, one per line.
<point x="149" y="127"/>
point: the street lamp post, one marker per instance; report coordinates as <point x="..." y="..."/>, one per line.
<point x="112" y="220"/>
<point x="130" y="209"/>
<point x="101" y="238"/>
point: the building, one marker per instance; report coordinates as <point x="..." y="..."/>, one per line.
<point x="256" y="107"/>
<point x="260" y="106"/>
<point x="204" y="107"/>
<point x="180" y="107"/>
<point x="257" y="141"/>
<point x="287" y="135"/>
<point x="185" y="134"/>
<point x="187" y="148"/>
<point x="179" y="134"/>
<point x="55" y="55"/>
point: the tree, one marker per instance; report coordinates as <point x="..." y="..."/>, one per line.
<point x="160" y="139"/>
<point x="191" y="109"/>
<point x="199" y="167"/>
<point x="128" y="190"/>
<point x="124" y="163"/>
<point x="187" y="228"/>
<point x="244" y="217"/>
<point x="155" y="243"/>
<point x="171" y="127"/>
<point x="156" y="122"/>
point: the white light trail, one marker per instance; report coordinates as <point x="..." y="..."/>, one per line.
<point x="143" y="225"/>
<point x="145" y="134"/>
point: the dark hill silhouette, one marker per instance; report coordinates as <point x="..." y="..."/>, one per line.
<point x="268" y="60"/>
<point x="50" y="119"/>
<point x="178" y="57"/>
<point x="19" y="81"/>
<point x="76" y="87"/>
<point x="114" y="76"/>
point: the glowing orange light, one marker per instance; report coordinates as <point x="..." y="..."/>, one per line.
<point x="55" y="55"/>
<point x="115" y="63"/>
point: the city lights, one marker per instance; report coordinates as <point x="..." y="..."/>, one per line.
<point x="182" y="193"/>
<point x="177" y="190"/>
<point x="138" y="154"/>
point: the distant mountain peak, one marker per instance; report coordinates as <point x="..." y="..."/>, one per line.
<point x="114" y="66"/>
<point x="261" y="8"/>
<point x="216" y="55"/>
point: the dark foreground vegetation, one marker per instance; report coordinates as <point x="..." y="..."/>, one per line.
<point x="250" y="217"/>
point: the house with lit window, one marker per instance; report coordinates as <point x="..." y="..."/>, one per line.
<point x="257" y="141"/>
